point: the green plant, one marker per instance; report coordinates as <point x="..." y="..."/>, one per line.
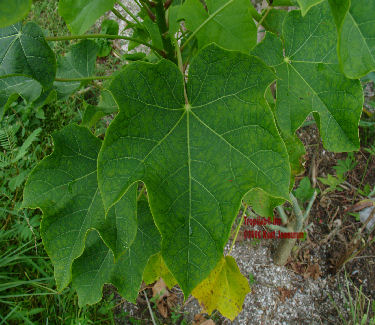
<point x="360" y="309"/>
<point x="195" y="131"/>
<point x="342" y="168"/>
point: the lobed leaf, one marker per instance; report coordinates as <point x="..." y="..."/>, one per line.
<point x="64" y="186"/>
<point x="13" y="87"/>
<point x="80" y="15"/>
<point x="78" y="63"/>
<point x="355" y="21"/>
<point x="197" y="158"/>
<point x="225" y="289"/>
<point x="310" y="80"/>
<point x="96" y="266"/>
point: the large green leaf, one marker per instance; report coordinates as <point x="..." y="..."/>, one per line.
<point x="78" y="63"/>
<point x="197" y="159"/>
<point x="355" y="22"/>
<point x="96" y="266"/>
<point x="13" y="11"/>
<point x="310" y="80"/>
<point x="64" y="186"/>
<point x="305" y="5"/>
<point x="80" y="15"/>
<point x="232" y="27"/>
<point x="24" y="51"/>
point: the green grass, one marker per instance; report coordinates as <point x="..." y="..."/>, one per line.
<point x="27" y="285"/>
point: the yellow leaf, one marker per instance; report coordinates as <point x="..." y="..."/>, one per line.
<point x="156" y="269"/>
<point x="225" y="289"/>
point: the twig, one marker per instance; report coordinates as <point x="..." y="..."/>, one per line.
<point x="238" y="228"/>
<point x="149" y="308"/>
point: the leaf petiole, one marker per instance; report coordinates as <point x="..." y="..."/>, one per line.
<point x="82" y="79"/>
<point x="87" y="36"/>
<point x="212" y="16"/>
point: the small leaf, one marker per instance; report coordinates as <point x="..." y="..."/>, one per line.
<point x="80" y="15"/>
<point x="156" y="269"/>
<point x="93" y="114"/>
<point x="46" y="97"/>
<point x="197" y="159"/>
<point x="106" y="106"/>
<point x="109" y="27"/>
<point x="262" y="203"/>
<point x="225" y="289"/>
<point x="305" y="5"/>
<point x="304" y="191"/>
<point x="153" y="31"/>
<point x="355" y="22"/>
<point x="273" y="22"/>
<point x="23" y="50"/>
<point x="13" y="87"/>
<point x="13" y="11"/>
<point x="78" y="63"/>
<point x="232" y="28"/>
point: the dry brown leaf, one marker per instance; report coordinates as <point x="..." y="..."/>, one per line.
<point x="199" y="319"/>
<point x="285" y="293"/>
<point x="361" y="205"/>
<point x="208" y="322"/>
<point x="313" y="271"/>
<point x="160" y="291"/>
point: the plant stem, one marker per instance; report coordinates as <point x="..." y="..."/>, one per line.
<point x="181" y="67"/>
<point x="82" y="79"/>
<point x="13" y="75"/>
<point x="149" y="308"/>
<point x="298" y="213"/>
<point x="141" y="192"/>
<point x="238" y="228"/>
<point x="129" y="13"/>
<point x="212" y="16"/>
<point x="309" y="206"/>
<point x="164" y="31"/>
<point x="119" y="16"/>
<point x="87" y="36"/>
<point x="149" y="11"/>
<point x="264" y="16"/>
